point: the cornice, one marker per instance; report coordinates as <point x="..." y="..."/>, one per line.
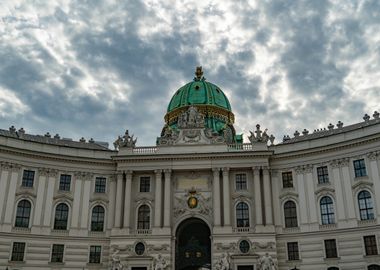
<point x="55" y="157"/>
<point x="323" y="149"/>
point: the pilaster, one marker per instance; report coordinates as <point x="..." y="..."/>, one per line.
<point x="257" y="192"/>
<point x="168" y="196"/>
<point x="226" y="198"/>
<point x="216" y="196"/>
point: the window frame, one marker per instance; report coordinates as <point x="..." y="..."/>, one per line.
<point x="145" y="223"/>
<point x="291" y="218"/>
<point x="61" y="253"/>
<point x="27" y="181"/>
<point x="327" y="210"/>
<point x="23" y="218"/>
<point x="242" y="183"/>
<point x="295" y="251"/>
<point x="65" y="182"/>
<point x="327" y="250"/>
<point x="55" y="226"/>
<point x="143" y="186"/>
<point x="12" y="253"/>
<point x="287" y="182"/>
<point x="367" y="248"/>
<point x="245" y="221"/>
<point x="323" y="175"/>
<point x="360" y="168"/>
<point x="95" y="223"/>
<point x="367" y="213"/>
<point x="102" y="186"/>
<point x="96" y="254"/>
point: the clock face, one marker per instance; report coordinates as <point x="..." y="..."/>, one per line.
<point x="192" y="202"/>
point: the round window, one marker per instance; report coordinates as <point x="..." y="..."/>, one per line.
<point x="244" y="246"/>
<point x="140" y="248"/>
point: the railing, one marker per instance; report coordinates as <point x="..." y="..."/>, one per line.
<point x="239" y="147"/>
<point x="21" y="230"/>
<point x="242" y="229"/>
<point x="143" y="231"/>
<point x="145" y="150"/>
<point x="327" y="226"/>
<point x="367" y="222"/>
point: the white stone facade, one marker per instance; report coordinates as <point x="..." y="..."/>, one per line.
<point x="161" y="180"/>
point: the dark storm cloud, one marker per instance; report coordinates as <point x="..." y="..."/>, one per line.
<point x="94" y="68"/>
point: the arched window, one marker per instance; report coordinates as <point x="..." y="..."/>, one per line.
<point x="365" y="205"/>
<point x="242" y="215"/>
<point x="143" y="219"/>
<point x="97" y="219"/>
<point x="61" y="216"/>
<point x="327" y="210"/>
<point x="290" y="213"/>
<point x="333" y="268"/>
<point x="374" y="267"/>
<point x="23" y="214"/>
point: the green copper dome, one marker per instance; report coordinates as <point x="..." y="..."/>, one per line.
<point x="209" y="100"/>
<point x="199" y="93"/>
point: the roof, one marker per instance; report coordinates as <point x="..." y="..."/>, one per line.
<point x="56" y="140"/>
<point x="199" y="92"/>
<point x="328" y="132"/>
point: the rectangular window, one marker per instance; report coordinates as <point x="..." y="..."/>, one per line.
<point x="293" y="254"/>
<point x="323" y="175"/>
<point x="287" y="179"/>
<point x="330" y="248"/>
<point x="64" y="182"/>
<point x="57" y="253"/>
<point x="100" y="184"/>
<point x="145" y="184"/>
<point x="18" y="251"/>
<point x="241" y="181"/>
<point x="359" y="167"/>
<point x="95" y="254"/>
<point x="370" y="245"/>
<point x="27" y="178"/>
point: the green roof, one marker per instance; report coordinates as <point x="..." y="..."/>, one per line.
<point x="199" y="92"/>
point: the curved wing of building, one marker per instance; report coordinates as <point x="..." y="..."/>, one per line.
<point x="200" y="199"/>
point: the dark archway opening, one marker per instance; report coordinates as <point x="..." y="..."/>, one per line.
<point x="193" y="245"/>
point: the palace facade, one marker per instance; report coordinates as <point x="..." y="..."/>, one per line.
<point x="200" y="199"/>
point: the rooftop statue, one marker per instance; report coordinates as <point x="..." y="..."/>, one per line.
<point x="125" y="141"/>
<point x="261" y="136"/>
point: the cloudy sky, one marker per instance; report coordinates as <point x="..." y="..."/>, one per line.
<point x="94" y="68"/>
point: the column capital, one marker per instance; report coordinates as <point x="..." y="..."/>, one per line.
<point x="373" y="156"/>
<point x="256" y="170"/>
<point x="265" y="169"/>
<point x="129" y="174"/>
<point x="226" y="170"/>
<point x="158" y="172"/>
<point x="215" y="169"/>
<point x="168" y="171"/>
<point x="338" y="163"/>
<point x="274" y="172"/>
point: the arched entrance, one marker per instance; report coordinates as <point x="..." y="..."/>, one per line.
<point x="193" y="245"/>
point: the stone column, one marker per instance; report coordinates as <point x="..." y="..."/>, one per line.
<point x="77" y="204"/>
<point x="267" y="198"/>
<point x="216" y="197"/>
<point x="86" y="193"/>
<point x="42" y="175"/>
<point x="348" y="189"/>
<point x="52" y="180"/>
<point x="111" y="207"/>
<point x="127" y="200"/>
<point x="119" y="199"/>
<point x="158" y="199"/>
<point x="10" y="203"/>
<point x="168" y="195"/>
<point x="374" y="167"/>
<point x="303" y="203"/>
<point x="3" y="186"/>
<point x="275" y="197"/>
<point x="339" y="191"/>
<point x="226" y="197"/>
<point x="257" y="192"/>
<point x="310" y="194"/>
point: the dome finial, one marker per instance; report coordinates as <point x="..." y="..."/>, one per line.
<point x="198" y="74"/>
